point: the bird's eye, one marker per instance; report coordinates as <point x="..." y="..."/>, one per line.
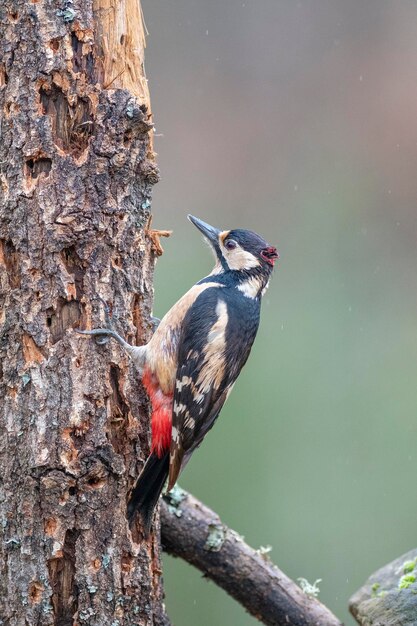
<point x="230" y="244"/>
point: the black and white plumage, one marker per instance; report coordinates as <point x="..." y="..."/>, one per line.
<point x="195" y="355"/>
<point x="218" y="333"/>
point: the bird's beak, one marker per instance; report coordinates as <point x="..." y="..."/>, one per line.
<point x="209" y="232"/>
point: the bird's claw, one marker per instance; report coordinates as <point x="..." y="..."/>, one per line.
<point x="101" y="334"/>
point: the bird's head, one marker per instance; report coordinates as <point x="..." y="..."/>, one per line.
<point x="238" y="250"/>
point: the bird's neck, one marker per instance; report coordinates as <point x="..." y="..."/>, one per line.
<point x="253" y="286"/>
<point x="251" y="283"/>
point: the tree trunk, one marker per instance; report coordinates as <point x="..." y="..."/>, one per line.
<point x="76" y="173"/>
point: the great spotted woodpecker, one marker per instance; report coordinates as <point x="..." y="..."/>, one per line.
<point x="195" y="355"/>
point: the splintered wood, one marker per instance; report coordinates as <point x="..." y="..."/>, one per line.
<point x="155" y="237"/>
<point x="120" y="39"/>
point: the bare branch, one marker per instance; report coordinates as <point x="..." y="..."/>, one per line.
<point x="195" y="533"/>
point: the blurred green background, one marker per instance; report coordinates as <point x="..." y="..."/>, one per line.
<point x="297" y="119"/>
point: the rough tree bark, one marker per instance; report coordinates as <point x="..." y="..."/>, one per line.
<point x="76" y="173"/>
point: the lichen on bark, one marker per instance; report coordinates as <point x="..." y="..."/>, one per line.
<point x="76" y="175"/>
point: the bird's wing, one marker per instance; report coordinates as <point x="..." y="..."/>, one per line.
<point x="214" y="344"/>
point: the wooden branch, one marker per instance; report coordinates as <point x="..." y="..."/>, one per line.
<point x="195" y="533"/>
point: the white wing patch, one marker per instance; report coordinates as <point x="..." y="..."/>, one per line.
<point x="221" y="310"/>
<point x="198" y="397"/>
<point x="211" y="374"/>
<point x="175" y="434"/>
<point x="187" y="381"/>
<point x="161" y="351"/>
<point x="189" y="422"/>
<point x="184" y="382"/>
<point x="180" y="408"/>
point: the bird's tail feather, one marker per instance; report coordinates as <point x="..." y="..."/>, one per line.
<point x="147" y="489"/>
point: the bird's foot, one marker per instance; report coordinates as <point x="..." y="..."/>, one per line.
<point x="102" y="334"/>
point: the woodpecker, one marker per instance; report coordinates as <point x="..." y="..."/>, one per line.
<point x="194" y="357"/>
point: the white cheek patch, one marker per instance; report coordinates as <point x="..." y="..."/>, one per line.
<point x="239" y="259"/>
<point x="251" y="287"/>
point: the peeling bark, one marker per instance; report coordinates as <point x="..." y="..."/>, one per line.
<point x="76" y="173"/>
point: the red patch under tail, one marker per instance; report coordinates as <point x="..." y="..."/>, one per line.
<point x="161" y="414"/>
